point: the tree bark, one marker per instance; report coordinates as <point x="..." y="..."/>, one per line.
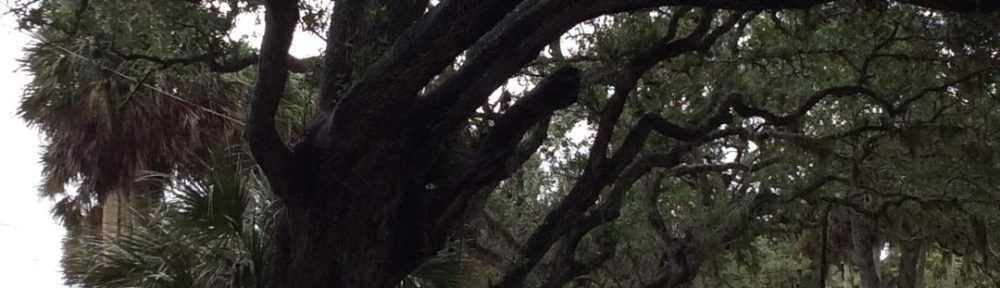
<point x="953" y="274"/>
<point x="910" y="265"/>
<point x="863" y="254"/>
<point x="111" y="213"/>
<point x="848" y="280"/>
<point x="363" y="208"/>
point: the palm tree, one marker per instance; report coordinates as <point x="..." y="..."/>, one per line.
<point x="211" y="231"/>
<point x="106" y="132"/>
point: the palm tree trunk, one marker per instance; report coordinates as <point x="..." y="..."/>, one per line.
<point x="112" y="210"/>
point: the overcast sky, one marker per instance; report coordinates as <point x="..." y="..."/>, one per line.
<point x="29" y="239"/>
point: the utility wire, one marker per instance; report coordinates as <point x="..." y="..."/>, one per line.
<point x="133" y="79"/>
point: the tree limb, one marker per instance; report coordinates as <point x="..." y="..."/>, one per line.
<point x="266" y="145"/>
<point x="378" y="103"/>
<point x="501" y="143"/>
<point x="746" y="110"/>
<point x="354" y="34"/>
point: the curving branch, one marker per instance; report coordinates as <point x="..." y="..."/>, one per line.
<point x="380" y="100"/>
<point x="490" y="162"/>
<point x="352" y="35"/>
<point x="494" y="58"/>
<point x="903" y="104"/>
<point x="573" y="211"/>
<point x="746" y="110"/>
<point x="602" y="171"/>
<point x="266" y="145"/>
<point x="663" y="49"/>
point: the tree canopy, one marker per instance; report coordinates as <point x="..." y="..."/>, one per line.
<point x="540" y="143"/>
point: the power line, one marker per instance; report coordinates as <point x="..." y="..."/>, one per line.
<point x="133" y="79"/>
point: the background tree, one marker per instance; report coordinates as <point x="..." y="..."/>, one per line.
<point x="105" y="132"/>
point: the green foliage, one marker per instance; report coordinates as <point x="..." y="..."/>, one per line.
<point x="922" y="170"/>
<point x="213" y="231"/>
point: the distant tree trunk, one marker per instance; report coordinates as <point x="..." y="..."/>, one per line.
<point x="824" y="265"/>
<point x="864" y="251"/>
<point x="848" y="279"/>
<point x="910" y="265"/>
<point x="953" y="274"/>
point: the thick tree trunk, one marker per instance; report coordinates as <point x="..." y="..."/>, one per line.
<point x="113" y="209"/>
<point x="910" y="265"/>
<point x="118" y="204"/>
<point x="358" y="233"/>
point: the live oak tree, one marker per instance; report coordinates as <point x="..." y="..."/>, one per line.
<point x="406" y="144"/>
<point x="361" y="174"/>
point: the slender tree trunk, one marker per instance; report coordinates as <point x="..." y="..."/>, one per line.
<point x="909" y="265"/>
<point x="824" y="265"/>
<point x="864" y="257"/>
<point x="920" y="267"/>
<point x="848" y="280"/>
<point x="953" y="274"/>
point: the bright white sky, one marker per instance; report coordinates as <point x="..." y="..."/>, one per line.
<point x="30" y="240"/>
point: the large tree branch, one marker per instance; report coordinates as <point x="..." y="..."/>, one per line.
<point x="459" y="95"/>
<point x="490" y="162"/>
<point x="566" y="266"/>
<point x="624" y="85"/>
<point x="359" y="30"/>
<point x="509" y="40"/>
<point x="378" y="103"/>
<point x="746" y="110"/>
<point x="600" y="170"/>
<point x="684" y="253"/>
<point x="265" y="144"/>
<point x="570" y="212"/>
<point x="498" y="55"/>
